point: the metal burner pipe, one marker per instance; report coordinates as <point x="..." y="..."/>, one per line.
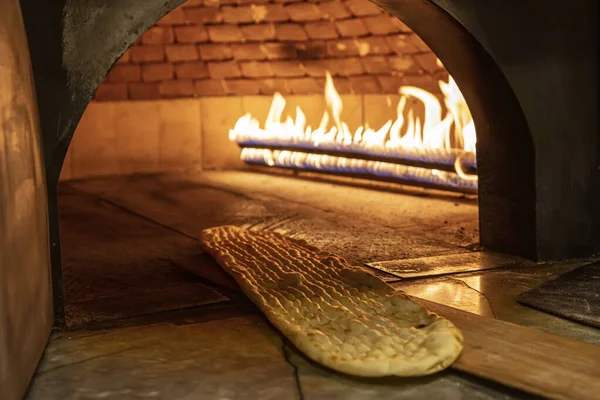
<point x="359" y="168"/>
<point x="440" y="159"/>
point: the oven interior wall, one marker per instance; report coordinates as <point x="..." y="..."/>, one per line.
<point x="170" y="100"/>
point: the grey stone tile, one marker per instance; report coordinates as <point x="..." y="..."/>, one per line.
<point x="235" y="358"/>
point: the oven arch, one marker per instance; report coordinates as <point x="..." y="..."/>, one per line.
<point x="74" y="43"/>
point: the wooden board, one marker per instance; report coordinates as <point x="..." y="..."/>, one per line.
<point x="524" y="358"/>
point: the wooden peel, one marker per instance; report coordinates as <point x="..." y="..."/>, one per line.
<point x="524" y="358"/>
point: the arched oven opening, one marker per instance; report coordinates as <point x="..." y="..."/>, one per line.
<point x="332" y="123"/>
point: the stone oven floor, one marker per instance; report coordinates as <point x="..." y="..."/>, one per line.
<point x="141" y="326"/>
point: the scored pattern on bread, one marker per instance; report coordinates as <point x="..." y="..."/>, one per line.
<point x="339" y="316"/>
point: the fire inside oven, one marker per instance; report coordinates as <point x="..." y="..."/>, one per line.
<point x="431" y="147"/>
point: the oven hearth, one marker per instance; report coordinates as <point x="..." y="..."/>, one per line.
<point x="129" y="240"/>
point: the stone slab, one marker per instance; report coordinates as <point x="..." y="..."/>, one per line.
<point x="574" y="295"/>
<point x="447" y="264"/>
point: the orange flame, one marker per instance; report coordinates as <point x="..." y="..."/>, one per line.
<point x="453" y="129"/>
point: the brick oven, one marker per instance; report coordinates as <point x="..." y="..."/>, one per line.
<point x="140" y="109"/>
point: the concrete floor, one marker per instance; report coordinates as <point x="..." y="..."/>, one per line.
<point x="141" y="326"/>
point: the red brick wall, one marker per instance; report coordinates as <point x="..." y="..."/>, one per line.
<point x="246" y="47"/>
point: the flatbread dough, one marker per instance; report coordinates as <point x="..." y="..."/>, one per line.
<point x="339" y="316"/>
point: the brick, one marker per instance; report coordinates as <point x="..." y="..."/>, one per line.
<point x="353" y="27"/>
<point x="321" y="82"/>
<point x="341" y="48"/>
<point x="361" y="8"/>
<point x="125" y="58"/>
<point x="203" y="15"/>
<point x="225" y="69"/>
<point x="390" y="84"/>
<point x="401" y="44"/>
<point x="333" y="10"/>
<point x="364" y="84"/>
<point x="242" y="87"/>
<point x="108" y="91"/>
<point x="237" y="15"/>
<point x="314" y="49"/>
<point x="152" y="53"/>
<point x="178" y="88"/>
<point x="209" y="52"/>
<point x="175" y="17"/>
<point x="191" y="70"/>
<point x="300" y="12"/>
<point x="419" y="43"/>
<point x="143" y="90"/>
<point x="271" y="86"/>
<point x="382" y="24"/>
<point x="181" y="52"/>
<point x="373" y="45"/>
<point x="290" y="32"/>
<point x="258" y="32"/>
<point x="349" y="66"/>
<point x="342" y="85"/>
<point x="316" y="68"/>
<point x="404" y="63"/>
<point x="157" y="72"/>
<point x="376" y="65"/>
<point x="255" y="69"/>
<point x="276" y="13"/>
<point x="286" y="69"/>
<point x="191" y="34"/>
<point x="253" y="1"/>
<point x="400" y="25"/>
<point x="225" y="33"/>
<point x="209" y="87"/>
<point x="304" y="86"/>
<point x="125" y="73"/>
<point x="248" y="51"/>
<point x="279" y="51"/>
<point x="423" y="81"/>
<point x="427" y="61"/>
<point x="158" y="35"/>
<point x="287" y="1"/>
<point x="321" y="30"/>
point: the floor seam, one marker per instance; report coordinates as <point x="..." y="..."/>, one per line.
<point x="141" y="216"/>
<point x="78" y="362"/>
<point x="286" y="357"/>
<point x="460" y="281"/>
